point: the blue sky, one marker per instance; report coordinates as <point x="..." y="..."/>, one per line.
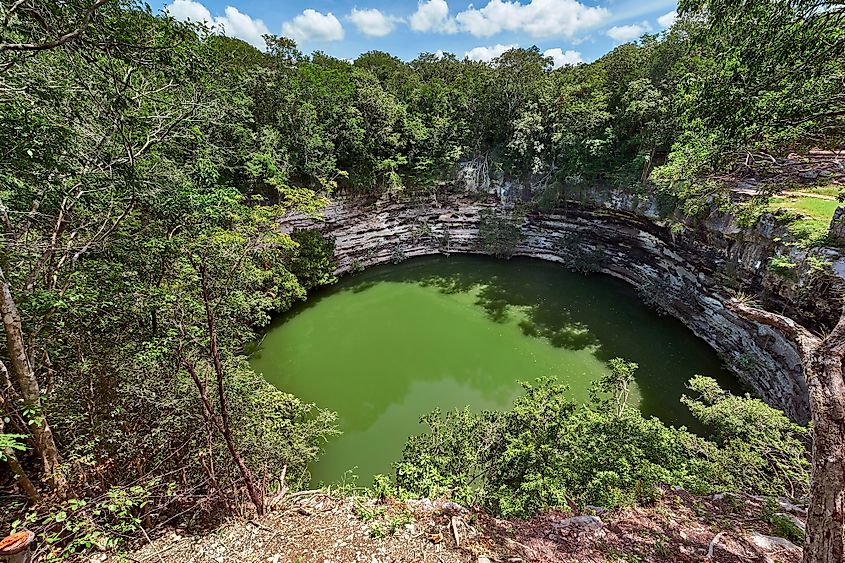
<point x="568" y="30"/>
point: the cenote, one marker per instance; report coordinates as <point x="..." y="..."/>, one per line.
<point x="383" y="347"/>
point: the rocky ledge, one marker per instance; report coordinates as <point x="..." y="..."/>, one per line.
<point x="688" y="269"/>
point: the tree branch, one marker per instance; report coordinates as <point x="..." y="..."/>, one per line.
<point x="806" y="341"/>
<point x="61" y="40"/>
<point x="834" y="344"/>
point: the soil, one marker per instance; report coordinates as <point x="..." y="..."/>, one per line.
<point x="318" y="528"/>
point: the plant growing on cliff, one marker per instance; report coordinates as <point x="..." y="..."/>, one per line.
<point x="576" y="256"/>
<point x="748" y="213"/>
<point x="398" y="255"/>
<point x="782" y="266"/>
<point x="665" y="201"/>
<point x="499" y="232"/>
<point x="652" y="293"/>
<point x="312" y="260"/>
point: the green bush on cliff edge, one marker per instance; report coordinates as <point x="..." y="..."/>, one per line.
<point x="547" y="451"/>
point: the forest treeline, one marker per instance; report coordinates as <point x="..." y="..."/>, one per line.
<point x="144" y="163"/>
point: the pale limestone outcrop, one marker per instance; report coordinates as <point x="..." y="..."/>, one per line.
<point x="685" y="272"/>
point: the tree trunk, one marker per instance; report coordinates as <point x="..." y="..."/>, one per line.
<point x="221" y="420"/>
<point x="21" y="478"/>
<point x="826" y="516"/>
<point x="225" y="431"/>
<point x="24" y="376"/>
<point x="822" y="363"/>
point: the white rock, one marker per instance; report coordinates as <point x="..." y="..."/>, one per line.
<point x="772" y="543"/>
<point x="597" y="510"/>
<point x="788" y="506"/>
<point x="453" y="508"/>
<point x="583" y="522"/>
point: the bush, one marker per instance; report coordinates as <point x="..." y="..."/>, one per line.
<point x="548" y="452"/>
<point x="104" y="523"/>
<point x="313" y="261"/>
<point x="782" y="266"/>
<point x="498" y="232"/>
<point x="758" y="447"/>
<point x="276" y="429"/>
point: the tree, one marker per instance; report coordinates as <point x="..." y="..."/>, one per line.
<point x="30" y="391"/>
<point x="38" y="28"/>
<point x="10" y="443"/>
<point x="548" y="452"/>
<point x="220" y="418"/>
<point x="822" y="359"/>
<point x="764" y="76"/>
<point x="616" y="384"/>
<point x="77" y="166"/>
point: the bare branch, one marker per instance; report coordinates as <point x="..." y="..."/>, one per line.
<point x="834" y="344"/>
<point x="806" y="341"/>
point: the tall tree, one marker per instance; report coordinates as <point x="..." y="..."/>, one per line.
<point x="767" y="77"/>
<point x="84" y="120"/>
<point x="822" y="358"/>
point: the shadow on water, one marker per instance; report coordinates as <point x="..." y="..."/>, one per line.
<point x="578" y="312"/>
<point x="381" y="355"/>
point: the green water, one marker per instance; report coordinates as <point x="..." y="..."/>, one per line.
<point x="388" y="345"/>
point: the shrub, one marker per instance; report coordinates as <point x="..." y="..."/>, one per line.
<point x="547" y="451"/>
<point x="758" y="447"/>
<point x="312" y="261"/>
<point x="104" y="523"/>
<point x="498" y="232"/>
<point x="782" y="266"/>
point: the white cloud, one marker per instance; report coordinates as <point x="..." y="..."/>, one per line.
<point x="563" y="58"/>
<point x="233" y="23"/>
<point x="184" y="10"/>
<point x="433" y="15"/>
<point x="623" y="33"/>
<point x="538" y="18"/>
<point x="240" y="25"/>
<point x="487" y="54"/>
<point x="666" y="20"/>
<point x="312" y="25"/>
<point x="372" y="23"/>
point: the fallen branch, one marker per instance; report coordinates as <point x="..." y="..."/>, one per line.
<point x="712" y="546"/>
<point x="455" y="532"/>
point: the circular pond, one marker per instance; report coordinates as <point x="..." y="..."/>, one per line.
<point x="388" y="345"/>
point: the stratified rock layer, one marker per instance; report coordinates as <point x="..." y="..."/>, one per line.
<point x="687" y="270"/>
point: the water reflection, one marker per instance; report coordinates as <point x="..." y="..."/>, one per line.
<point x="577" y="312"/>
<point x="390" y="344"/>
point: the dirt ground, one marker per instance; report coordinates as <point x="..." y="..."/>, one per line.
<point x="317" y="528"/>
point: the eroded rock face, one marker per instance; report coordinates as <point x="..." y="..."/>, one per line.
<point x="684" y="271"/>
<point x="837" y="224"/>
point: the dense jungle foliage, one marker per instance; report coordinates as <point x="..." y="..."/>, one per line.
<point x="143" y="165"/>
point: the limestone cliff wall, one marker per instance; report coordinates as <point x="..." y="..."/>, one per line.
<point x="685" y="273"/>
